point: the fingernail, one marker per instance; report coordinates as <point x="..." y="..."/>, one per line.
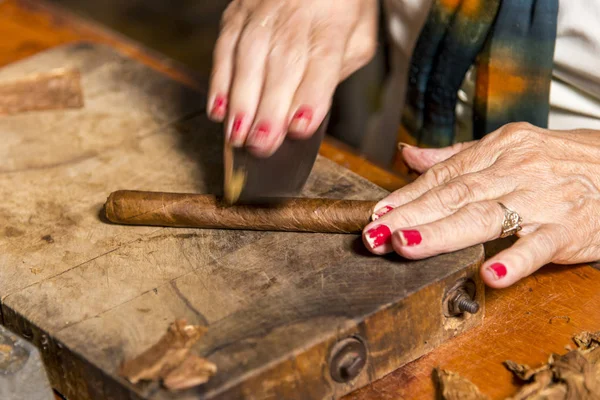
<point x="219" y="105"/>
<point x="402" y="145"/>
<point x="381" y="212"/>
<point x="302" y="119"/>
<point x="410" y="237"/>
<point x="236" y="128"/>
<point x="498" y="270"/>
<point x="261" y="133"/>
<point x="378" y="235"/>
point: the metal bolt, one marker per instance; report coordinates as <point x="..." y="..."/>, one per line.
<point x="461" y="302"/>
<point x="348" y="358"/>
<point x="468" y="305"/>
<point x="460" y="299"/>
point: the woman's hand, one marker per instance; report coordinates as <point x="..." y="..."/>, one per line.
<point x="277" y="63"/>
<point x="550" y="178"/>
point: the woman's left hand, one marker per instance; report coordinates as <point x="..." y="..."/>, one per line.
<point x="550" y="178"/>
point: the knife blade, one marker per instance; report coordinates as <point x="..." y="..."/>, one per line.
<point x="249" y="179"/>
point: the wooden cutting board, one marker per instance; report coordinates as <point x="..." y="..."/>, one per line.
<point x="90" y="294"/>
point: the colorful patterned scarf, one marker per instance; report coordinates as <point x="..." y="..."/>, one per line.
<point x="511" y="43"/>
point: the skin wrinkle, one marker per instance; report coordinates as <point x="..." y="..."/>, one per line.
<point x="551" y="178"/>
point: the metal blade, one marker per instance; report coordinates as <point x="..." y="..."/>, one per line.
<point x="249" y="179"/>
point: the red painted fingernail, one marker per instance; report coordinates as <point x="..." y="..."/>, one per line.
<point x="381" y="212"/>
<point x="261" y="133"/>
<point x="219" y="105"/>
<point x="498" y="269"/>
<point x="379" y="235"/>
<point x="410" y="237"/>
<point x="236" y="127"/>
<point x="237" y="123"/>
<point x="302" y="119"/>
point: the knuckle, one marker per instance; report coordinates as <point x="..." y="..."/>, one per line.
<point x="439" y="174"/>
<point x="286" y="55"/>
<point x="519" y="131"/>
<point x="252" y="40"/>
<point x="551" y="244"/>
<point x="482" y="215"/>
<point x="224" y="44"/>
<point x="230" y="13"/>
<point x="455" y="195"/>
<point x="321" y="47"/>
<point x="248" y="4"/>
<point x="364" y="51"/>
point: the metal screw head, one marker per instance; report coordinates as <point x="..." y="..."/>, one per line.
<point x="348" y="358"/>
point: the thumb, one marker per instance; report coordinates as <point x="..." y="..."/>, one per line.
<point x="420" y="160"/>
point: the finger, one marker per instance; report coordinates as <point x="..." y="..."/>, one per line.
<point x="362" y="45"/>
<point x="473" y="224"/>
<point x="250" y="60"/>
<point x="420" y="160"/>
<point x="232" y="23"/>
<point x="523" y="258"/>
<point x="312" y="99"/>
<point x="286" y="64"/>
<point x="440" y="203"/>
<point x="472" y="159"/>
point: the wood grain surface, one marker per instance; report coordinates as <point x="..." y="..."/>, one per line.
<point x="275" y="303"/>
<point x="525" y="322"/>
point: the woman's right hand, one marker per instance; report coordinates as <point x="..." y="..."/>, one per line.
<point x="277" y="63"/>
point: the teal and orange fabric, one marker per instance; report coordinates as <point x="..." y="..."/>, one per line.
<point x="511" y="43"/>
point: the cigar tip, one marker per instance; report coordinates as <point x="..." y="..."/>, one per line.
<point x="108" y="211"/>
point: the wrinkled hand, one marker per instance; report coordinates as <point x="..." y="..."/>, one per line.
<point x="551" y="178"/>
<point x="277" y="63"/>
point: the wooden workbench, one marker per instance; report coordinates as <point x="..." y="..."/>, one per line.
<point x="525" y="323"/>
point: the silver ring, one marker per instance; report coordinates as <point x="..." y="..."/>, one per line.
<point x="511" y="223"/>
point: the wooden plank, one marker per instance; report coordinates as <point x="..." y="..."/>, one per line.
<point x="89" y="293"/>
<point x="525" y="323"/>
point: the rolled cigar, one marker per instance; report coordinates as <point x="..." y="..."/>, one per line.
<point x="207" y="211"/>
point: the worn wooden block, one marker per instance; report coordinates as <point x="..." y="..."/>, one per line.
<point x="90" y="294"/>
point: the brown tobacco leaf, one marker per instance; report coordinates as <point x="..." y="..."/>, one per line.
<point x="164" y="356"/>
<point x="579" y="374"/>
<point x="538" y="385"/>
<point x="522" y="371"/>
<point x="592" y="354"/>
<point x="575" y="375"/>
<point x="586" y="340"/>
<point x="193" y="371"/>
<point x="455" y="387"/>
